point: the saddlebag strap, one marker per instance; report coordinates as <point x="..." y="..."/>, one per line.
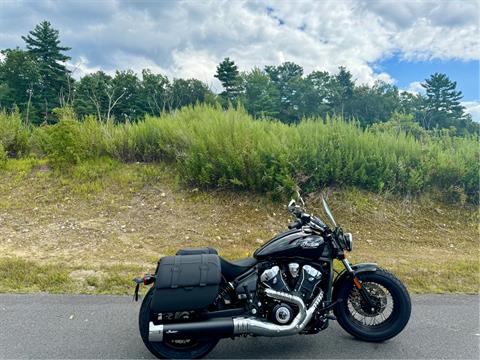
<point x="203" y="270"/>
<point x="175" y="272"/>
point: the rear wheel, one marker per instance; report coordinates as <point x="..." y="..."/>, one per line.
<point x="385" y="317"/>
<point x="174" y="349"/>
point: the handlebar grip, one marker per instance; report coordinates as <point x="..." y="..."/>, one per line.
<point x="294" y="225"/>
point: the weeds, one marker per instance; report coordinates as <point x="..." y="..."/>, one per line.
<point x="229" y="149"/>
<point x="14" y="135"/>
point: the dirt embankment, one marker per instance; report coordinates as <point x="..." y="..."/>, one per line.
<point x="92" y="233"/>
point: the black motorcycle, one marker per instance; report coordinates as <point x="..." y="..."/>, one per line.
<point x="288" y="287"/>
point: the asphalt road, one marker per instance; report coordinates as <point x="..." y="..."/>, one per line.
<point x="75" y="326"/>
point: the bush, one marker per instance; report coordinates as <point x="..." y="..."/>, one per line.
<point x="14" y="136"/>
<point x="62" y="143"/>
<point x="3" y="156"/>
<point x="212" y="147"/>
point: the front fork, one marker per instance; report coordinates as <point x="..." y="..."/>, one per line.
<point x="372" y="304"/>
<point x="349" y="269"/>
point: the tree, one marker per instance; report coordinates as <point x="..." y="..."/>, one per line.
<point x="413" y="104"/>
<point x="43" y="45"/>
<point x="342" y="87"/>
<point x="317" y="94"/>
<point x="261" y="97"/>
<point x="19" y="77"/>
<point x="374" y="104"/>
<point x="155" y="92"/>
<point x="227" y="73"/>
<point x="288" y="79"/>
<point x="116" y="97"/>
<point x="442" y="102"/>
<point x="91" y="95"/>
<point x="124" y="96"/>
<point x="189" y="92"/>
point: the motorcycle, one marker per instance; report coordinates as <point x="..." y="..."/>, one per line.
<point x="288" y="287"/>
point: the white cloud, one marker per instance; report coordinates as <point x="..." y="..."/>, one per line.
<point x="415" y="88"/>
<point x="473" y="108"/>
<point x="126" y="61"/>
<point x="195" y="64"/>
<point x="189" y="38"/>
<point x="80" y="67"/>
<point x="425" y="41"/>
<point x="385" y="78"/>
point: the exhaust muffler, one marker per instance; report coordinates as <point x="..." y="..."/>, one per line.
<point x="228" y="327"/>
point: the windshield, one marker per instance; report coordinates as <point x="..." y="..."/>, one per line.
<point x="328" y="212"/>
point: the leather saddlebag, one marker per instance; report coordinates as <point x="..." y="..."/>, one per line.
<point x="186" y="282"/>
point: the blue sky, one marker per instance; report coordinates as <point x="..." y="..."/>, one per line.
<point x="400" y="42"/>
<point x="465" y="73"/>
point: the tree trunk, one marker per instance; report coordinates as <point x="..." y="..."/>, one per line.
<point x="46" y="111"/>
<point x="27" y="120"/>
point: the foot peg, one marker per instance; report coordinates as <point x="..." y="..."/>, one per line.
<point x="331" y="317"/>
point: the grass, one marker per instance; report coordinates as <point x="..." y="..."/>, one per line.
<point x="213" y="148"/>
<point x="95" y="226"/>
<point x="22" y="276"/>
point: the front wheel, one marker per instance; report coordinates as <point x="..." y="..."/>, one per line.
<point x="175" y="349"/>
<point x="386" y="318"/>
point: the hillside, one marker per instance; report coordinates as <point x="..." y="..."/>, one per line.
<point x="91" y="229"/>
<point x="228" y="149"/>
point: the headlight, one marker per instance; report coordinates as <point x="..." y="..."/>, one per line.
<point x="348" y="241"/>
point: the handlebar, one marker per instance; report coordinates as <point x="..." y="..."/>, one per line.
<point x="295" y="225"/>
<point x="303" y="218"/>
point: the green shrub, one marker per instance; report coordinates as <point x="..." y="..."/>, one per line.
<point x="3" y="156"/>
<point x="62" y="143"/>
<point x="212" y="147"/>
<point x="64" y="113"/>
<point x="14" y="136"/>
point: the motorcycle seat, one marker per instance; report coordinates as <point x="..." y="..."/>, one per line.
<point x="232" y="269"/>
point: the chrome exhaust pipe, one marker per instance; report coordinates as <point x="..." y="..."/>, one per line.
<point x="155" y="332"/>
<point x="263" y="328"/>
<point x="227" y="327"/>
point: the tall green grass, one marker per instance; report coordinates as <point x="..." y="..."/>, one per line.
<point x="216" y="148"/>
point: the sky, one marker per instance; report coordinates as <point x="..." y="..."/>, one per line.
<point x="401" y="42"/>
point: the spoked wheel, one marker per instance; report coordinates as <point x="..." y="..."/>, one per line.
<point x="172" y="349"/>
<point x="382" y="317"/>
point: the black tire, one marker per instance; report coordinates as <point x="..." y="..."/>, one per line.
<point x="390" y="326"/>
<point x="163" y="350"/>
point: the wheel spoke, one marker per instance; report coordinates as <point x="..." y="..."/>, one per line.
<point x="362" y="312"/>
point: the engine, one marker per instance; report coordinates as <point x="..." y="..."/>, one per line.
<point x="296" y="280"/>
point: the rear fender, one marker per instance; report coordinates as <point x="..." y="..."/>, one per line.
<point x="345" y="277"/>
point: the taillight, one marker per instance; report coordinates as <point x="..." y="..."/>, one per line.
<point x="148" y="279"/>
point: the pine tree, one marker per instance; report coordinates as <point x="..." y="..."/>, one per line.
<point x="342" y="88"/>
<point x="443" y="108"/>
<point x="44" y="45"/>
<point x="227" y="73"/>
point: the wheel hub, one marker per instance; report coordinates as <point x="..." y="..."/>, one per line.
<point x="378" y="298"/>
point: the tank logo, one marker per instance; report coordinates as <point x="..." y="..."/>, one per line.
<point x="172" y="331"/>
<point x="311" y="243"/>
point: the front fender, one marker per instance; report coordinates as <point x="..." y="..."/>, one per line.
<point x="345" y="276"/>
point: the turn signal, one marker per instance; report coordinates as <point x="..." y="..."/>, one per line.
<point x="357" y="283"/>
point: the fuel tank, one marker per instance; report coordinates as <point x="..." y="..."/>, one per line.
<point x="293" y="243"/>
